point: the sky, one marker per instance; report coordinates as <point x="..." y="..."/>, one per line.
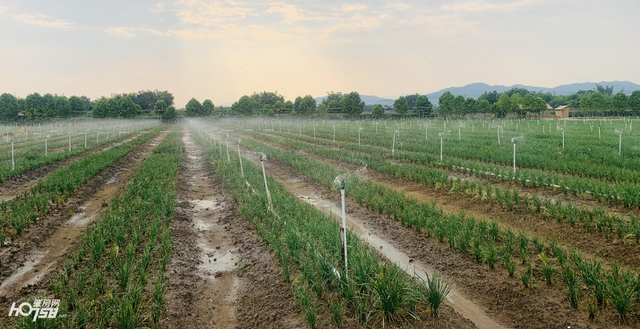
<point x="221" y="50"/>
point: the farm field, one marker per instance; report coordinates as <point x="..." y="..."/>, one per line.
<point x="229" y="223"/>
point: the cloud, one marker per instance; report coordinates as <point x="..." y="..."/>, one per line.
<point x="211" y="13"/>
<point x="128" y="31"/>
<point x="483" y="6"/>
<point x="353" y="7"/>
<point x="355" y="22"/>
<point x="291" y="13"/>
<point x="3" y="9"/>
<point x="41" y="20"/>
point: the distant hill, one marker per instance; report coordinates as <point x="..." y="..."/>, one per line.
<point x="476" y="89"/>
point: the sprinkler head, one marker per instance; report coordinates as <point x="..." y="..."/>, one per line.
<point x="342" y="185"/>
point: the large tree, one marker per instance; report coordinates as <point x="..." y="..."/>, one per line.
<point x="207" y="107"/>
<point x="9" y="107"/>
<point x="351" y="104"/>
<point x="401" y="106"/>
<point x="61" y="107"/>
<point x="619" y="101"/>
<point x="377" y="111"/>
<point x="423" y="105"/>
<point x="160" y="107"/>
<point x="307" y="105"/>
<point x="267" y="97"/>
<point x="446" y="101"/>
<point x="77" y="104"/>
<point x="127" y="108"/>
<point x="193" y="108"/>
<point x="244" y="106"/>
<point x="503" y="106"/>
<point x="634" y="100"/>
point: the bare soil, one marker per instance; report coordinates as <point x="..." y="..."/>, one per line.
<point x="221" y="274"/>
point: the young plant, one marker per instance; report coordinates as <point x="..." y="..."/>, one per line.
<point x="435" y="291"/>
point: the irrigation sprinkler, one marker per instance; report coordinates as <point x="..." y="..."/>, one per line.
<point x="514" y="141"/>
<point x="69" y="141"/>
<point x="393" y="146"/>
<point x="264" y="175"/>
<point x="97" y="136"/>
<point x="360" y="129"/>
<point x="563" y="138"/>
<point x="240" y="158"/>
<point x="343" y="230"/>
<point x="226" y="143"/>
<point x="46" y="150"/>
<point x="498" y="135"/>
<point x="314" y="131"/>
<point x="334" y="134"/>
<point x="85" y="138"/>
<point x="13" y="163"/>
<point x="300" y="130"/>
<point x="220" y="142"/>
<point x="459" y="136"/>
<point x="426" y="136"/>
<point x="441" y="144"/>
<point x="620" y="142"/>
<point x="599" y="135"/>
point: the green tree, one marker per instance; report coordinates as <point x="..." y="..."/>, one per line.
<point x="48" y="105"/>
<point x="518" y="105"/>
<point x="503" y="106"/>
<point x="351" y="104"/>
<point x="34" y="104"/>
<point x="278" y="106"/>
<point x="307" y="105"/>
<point x="634" y="100"/>
<point x="296" y="102"/>
<point x="193" y="108"/>
<point x="207" y="107"/>
<point x="377" y="111"/>
<point x="160" y="107"/>
<point x="411" y="100"/>
<point x="491" y="97"/>
<point x="446" y="105"/>
<point x="127" y="107"/>
<point x="484" y="106"/>
<point x="470" y="105"/>
<point x="169" y="115"/>
<point x="244" y="106"/>
<point x="332" y="97"/>
<point x="266" y="97"/>
<point x="77" y="104"/>
<point x="606" y="91"/>
<point x="423" y="105"/>
<point x="9" y="107"/>
<point x="400" y="106"/>
<point x="61" y="107"/>
<point x="101" y="108"/>
<point x="458" y="105"/>
<point x="288" y="105"/>
<point x="594" y="102"/>
<point x="619" y="101"/>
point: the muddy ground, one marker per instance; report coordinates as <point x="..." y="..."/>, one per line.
<point x="221" y="274"/>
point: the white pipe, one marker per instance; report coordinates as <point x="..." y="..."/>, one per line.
<point x="344" y="228"/>
<point x="240" y="158"/>
<point x="226" y="143"/>
<point x="266" y="187"/>
<point x="13" y="164"/>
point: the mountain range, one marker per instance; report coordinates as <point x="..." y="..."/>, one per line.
<point x="476" y="89"/>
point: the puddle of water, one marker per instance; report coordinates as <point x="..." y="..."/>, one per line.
<point x="33" y="260"/>
<point x="204" y="204"/>
<point x="214" y="261"/>
<point x="81" y="219"/>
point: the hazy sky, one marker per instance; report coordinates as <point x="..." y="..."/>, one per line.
<point x="221" y="50"/>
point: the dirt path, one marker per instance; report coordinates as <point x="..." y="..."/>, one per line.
<point x="592" y="244"/>
<point x="34" y="255"/>
<point x="12" y="187"/>
<point x="502" y="297"/>
<point x="221" y="274"/>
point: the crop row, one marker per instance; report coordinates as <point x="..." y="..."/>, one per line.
<point x="17" y="214"/>
<point x="115" y="277"/>
<point x="584" y="155"/>
<point x="511" y="199"/>
<point x="34" y="157"/>
<point x="627" y="194"/>
<point x="586" y="279"/>
<point x="307" y="244"/>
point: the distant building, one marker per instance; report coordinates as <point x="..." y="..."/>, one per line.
<point x="562" y="111"/>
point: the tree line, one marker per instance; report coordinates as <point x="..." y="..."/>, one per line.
<point x="49" y="106"/>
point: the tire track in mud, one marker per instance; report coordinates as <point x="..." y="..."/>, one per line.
<point x="31" y="260"/>
<point x="15" y="186"/>
<point x="220" y="274"/>
<point x="592" y="244"/>
<point x="502" y="297"/>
